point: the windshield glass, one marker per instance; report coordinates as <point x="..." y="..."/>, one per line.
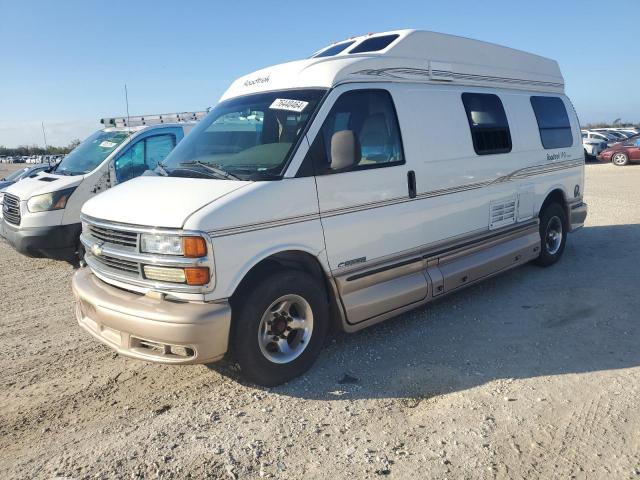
<point x="90" y="153"/>
<point x="248" y="138"/>
<point x="16" y="175"/>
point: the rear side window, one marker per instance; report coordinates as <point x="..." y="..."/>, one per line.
<point x="488" y="123"/>
<point x="374" y="44"/>
<point x="336" y="49"/>
<point x="553" y="122"/>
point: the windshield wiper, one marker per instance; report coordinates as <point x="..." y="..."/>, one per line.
<point x="212" y="168"/>
<point x="163" y="170"/>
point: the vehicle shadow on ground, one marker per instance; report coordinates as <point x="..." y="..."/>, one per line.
<point x="525" y="323"/>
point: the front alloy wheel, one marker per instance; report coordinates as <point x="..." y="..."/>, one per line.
<point x="279" y="325"/>
<point x="285" y="329"/>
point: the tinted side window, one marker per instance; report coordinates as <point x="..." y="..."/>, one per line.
<point x="130" y="162"/>
<point x="553" y="122"/>
<point x="143" y="156"/>
<point x="370" y="116"/>
<point x="336" y="49"/>
<point x="488" y="123"/>
<point x="158" y="147"/>
<point x="374" y="44"/>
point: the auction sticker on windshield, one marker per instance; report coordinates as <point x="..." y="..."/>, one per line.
<point x="107" y="144"/>
<point x="289" y="105"/>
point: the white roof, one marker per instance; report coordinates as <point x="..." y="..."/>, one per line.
<point x="414" y="56"/>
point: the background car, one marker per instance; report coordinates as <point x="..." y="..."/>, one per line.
<point x="592" y="147"/>
<point x="622" y="153"/>
<point x="22" y="173"/>
<point x="610" y="140"/>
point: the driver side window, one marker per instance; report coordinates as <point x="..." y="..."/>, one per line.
<point x="143" y="156"/>
<point x="131" y="161"/>
<point x="360" y="132"/>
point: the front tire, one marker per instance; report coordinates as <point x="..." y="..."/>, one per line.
<point x="553" y="234"/>
<point x="279" y="327"/>
<point x="620" y="159"/>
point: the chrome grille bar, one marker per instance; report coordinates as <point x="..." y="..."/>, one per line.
<point x="11" y="209"/>
<point x="117" y="237"/>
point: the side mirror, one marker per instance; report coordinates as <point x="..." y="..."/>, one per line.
<point x="345" y="151"/>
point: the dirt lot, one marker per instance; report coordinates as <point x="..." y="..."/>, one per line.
<point x="533" y="374"/>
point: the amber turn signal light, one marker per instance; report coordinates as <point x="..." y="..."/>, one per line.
<point x="194" y="247"/>
<point x="196" y="275"/>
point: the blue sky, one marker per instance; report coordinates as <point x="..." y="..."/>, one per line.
<point x="65" y="63"/>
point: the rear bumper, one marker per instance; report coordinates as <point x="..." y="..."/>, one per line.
<point x="58" y="242"/>
<point x="577" y="215"/>
<point x="150" y="328"/>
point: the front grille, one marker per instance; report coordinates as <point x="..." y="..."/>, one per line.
<point x="118" y="263"/>
<point x="113" y="253"/>
<point x="116" y="237"/>
<point x="11" y="209"/>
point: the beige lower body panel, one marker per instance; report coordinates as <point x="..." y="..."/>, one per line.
<point x="381" y="292"/>
<point x="151" y="329"/>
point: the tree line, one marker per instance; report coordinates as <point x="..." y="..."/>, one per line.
<point x="28" y="150"/>
<point x="617" y="123"/>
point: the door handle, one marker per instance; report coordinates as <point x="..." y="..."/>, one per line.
<point x="411" y="182"/>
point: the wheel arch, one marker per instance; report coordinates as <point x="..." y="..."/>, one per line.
<point x="558" y="195"/>
<point x="291" y="258"/>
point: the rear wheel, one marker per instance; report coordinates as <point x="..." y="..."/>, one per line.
<point x="620" y="159"/>
<point x="279" y="327"/>
<point x="553" y="234"/>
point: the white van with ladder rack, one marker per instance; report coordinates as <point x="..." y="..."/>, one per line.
<point x="381" y="173"/>
<point x="42" y="214"/>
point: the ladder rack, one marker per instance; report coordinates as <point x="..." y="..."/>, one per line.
<point x="153" y="119"/>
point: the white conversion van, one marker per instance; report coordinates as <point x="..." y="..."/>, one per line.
<point x="42" y="214"/>
<point x="379" y="174"/>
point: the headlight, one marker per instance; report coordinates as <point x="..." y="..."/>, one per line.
<point x="163" y="244"/>
<point x="50" y="201"/>
<point x="193" y="247"/>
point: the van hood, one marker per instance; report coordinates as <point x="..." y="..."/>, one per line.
<point x="158" y="201"/>
<point x="43" y="183"/>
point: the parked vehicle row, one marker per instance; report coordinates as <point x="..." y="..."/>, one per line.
<point x="49" y="159"/>
<point x="322" y="193"/>
<point x="602" y="143"/>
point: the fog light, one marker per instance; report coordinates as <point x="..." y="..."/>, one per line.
<point x="197" y="275"/>
<point x="164" y="274"/>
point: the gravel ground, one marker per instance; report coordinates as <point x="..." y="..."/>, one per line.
<point x="532" y="374"/>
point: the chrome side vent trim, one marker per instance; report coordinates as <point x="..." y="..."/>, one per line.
<point x="502" y="212"/>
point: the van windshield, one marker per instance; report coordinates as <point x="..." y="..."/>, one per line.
<point x="247" y="138"/>
<point x="90" y="153"/>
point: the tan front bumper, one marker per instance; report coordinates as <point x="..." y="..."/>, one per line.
<point x="151" y="328"/>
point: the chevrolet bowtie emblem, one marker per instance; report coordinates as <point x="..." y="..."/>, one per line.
<point x="96" y="249"/>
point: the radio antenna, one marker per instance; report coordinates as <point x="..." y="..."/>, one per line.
<point x="45" y="137"/>
<point x="126" y="99"/>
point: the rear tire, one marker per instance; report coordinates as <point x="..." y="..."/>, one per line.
<point x="620" y="159"/>
<point x="553" y="234"/>
<point x="279" y="327"/>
